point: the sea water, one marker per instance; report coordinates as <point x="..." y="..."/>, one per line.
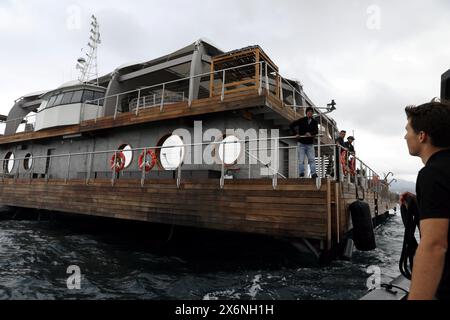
<point x="83" y="258"/>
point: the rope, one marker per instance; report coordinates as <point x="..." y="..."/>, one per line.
<point x="410" y="217"/>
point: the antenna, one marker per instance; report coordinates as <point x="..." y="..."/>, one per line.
<point x="89" y="66"/>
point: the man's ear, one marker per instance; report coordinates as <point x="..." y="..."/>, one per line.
<point x="423" y="137"/>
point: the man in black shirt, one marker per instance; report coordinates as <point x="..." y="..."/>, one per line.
<point x="305" y="129"/>
<point x="349" y="145"/>
<point x="340" y="140"/>
<point x="428" y="137"/>
<point x="340" y="143"/>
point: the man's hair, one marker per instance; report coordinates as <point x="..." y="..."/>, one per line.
<point x="433" y="118"/>
<point x="343" y="131"/>
<point x="309" y="109"/>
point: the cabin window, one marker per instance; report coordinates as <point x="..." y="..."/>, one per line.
<point x="229" y="150"/>
<point x="172" y="152"/>
<point x="51" y="102"/>
<point x="28" y="162"/>
<point x="98" y="97"/>
<point x="128" y="153"/>
<point x="76" y="98"/>
<point x="8" y="163"/>
<point x="67" y="97"/>
<point x="88" y="95"/>
<point x="58" y="99"/>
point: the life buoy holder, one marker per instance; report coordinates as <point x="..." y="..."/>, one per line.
<point x="149" y="163"/>
<point x="117" y="162"/>
<point x="343" y="160"/>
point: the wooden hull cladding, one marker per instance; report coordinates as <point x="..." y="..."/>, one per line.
<point x="296" y="209"/>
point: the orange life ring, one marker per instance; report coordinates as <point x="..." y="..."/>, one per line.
<point x="149" y="164"/>
<point x="117" y="162"/>
<point x="343" y="160"/>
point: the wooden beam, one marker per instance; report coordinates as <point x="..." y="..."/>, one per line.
<point x="329" y="240"/>
<point x="211" y="80"/>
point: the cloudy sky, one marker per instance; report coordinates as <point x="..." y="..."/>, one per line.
<point x="372" y="57"/>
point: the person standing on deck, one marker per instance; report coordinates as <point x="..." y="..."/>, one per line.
<point x="349" y="145"/>
<point x="428" y="137"/>
<point x="305" y="129"/>
<point x="340" y="140"/>
<point x="340" y="143"/>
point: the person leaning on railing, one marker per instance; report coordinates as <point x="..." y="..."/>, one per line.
<point x="339" y="143"/>
<point x="305" y="129"/>
<point x="428" y="137"/>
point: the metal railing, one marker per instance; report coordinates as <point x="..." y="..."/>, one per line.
<point x="140" y="98"/>
<point x="98" y="164"/>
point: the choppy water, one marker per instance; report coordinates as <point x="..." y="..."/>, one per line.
<point x="133" y="261"/>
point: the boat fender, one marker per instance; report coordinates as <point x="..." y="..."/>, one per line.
<point x="363" y="233"/>
<point x="118" y="162"/>
<point x="149" y="163"/>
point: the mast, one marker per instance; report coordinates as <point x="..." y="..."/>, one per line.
<point x="89" y="66"/>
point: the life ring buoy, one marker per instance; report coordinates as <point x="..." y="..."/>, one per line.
<point x="343" y="160"/>
<point x="117" y="162"/>
<point x="149" y="164"/>
<point x="352" y="166"/>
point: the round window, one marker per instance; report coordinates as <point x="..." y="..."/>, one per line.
<point x="229" y="150"/>
<point x="8" y="163"/>
<point x="28" y="161"/>
<point x="172" y="152"/>
<point x="128" y="153"/>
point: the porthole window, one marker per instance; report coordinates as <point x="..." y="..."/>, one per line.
<point x="8" y="163"/>
<point x="172" y="152"/>
<point x="229" y="150"/>
<point x="128" y="153"/>
<point x="28" y="162"/>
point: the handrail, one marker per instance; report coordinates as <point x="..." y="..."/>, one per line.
<point x="177" y="80"/>
<point x="239" y="141"/>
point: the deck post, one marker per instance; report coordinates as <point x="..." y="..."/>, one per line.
<point x="249" y="162"/>
<point x="116" y="110"/>
<point x="113" y="179"/>
<point x="319" y="149"/>
<point x="31" y="171"/>
<point x="179" y="170"/>
<point x="81" y="112"/>
<point x="162" y="97"/>
<point x="89" y="168"/>
<point x="68" y="168"/>
<point x="281" y="89"/>
<point x="138" y="102"/>
<point x="260" y="78"/>
<point x="275" y="173"/>
<point x="222" y="171"/>
<point x="143" y="168"/>
<point x="16" y="176"/>
<point x="222" y="96"/>
<point x="96" y="111"/>
<point x="294" y="101"/>
<point x="267" y="79"/>
<point x="49" y="166"/>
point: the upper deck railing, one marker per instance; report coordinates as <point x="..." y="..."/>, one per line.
<point x="258" y="76"/>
